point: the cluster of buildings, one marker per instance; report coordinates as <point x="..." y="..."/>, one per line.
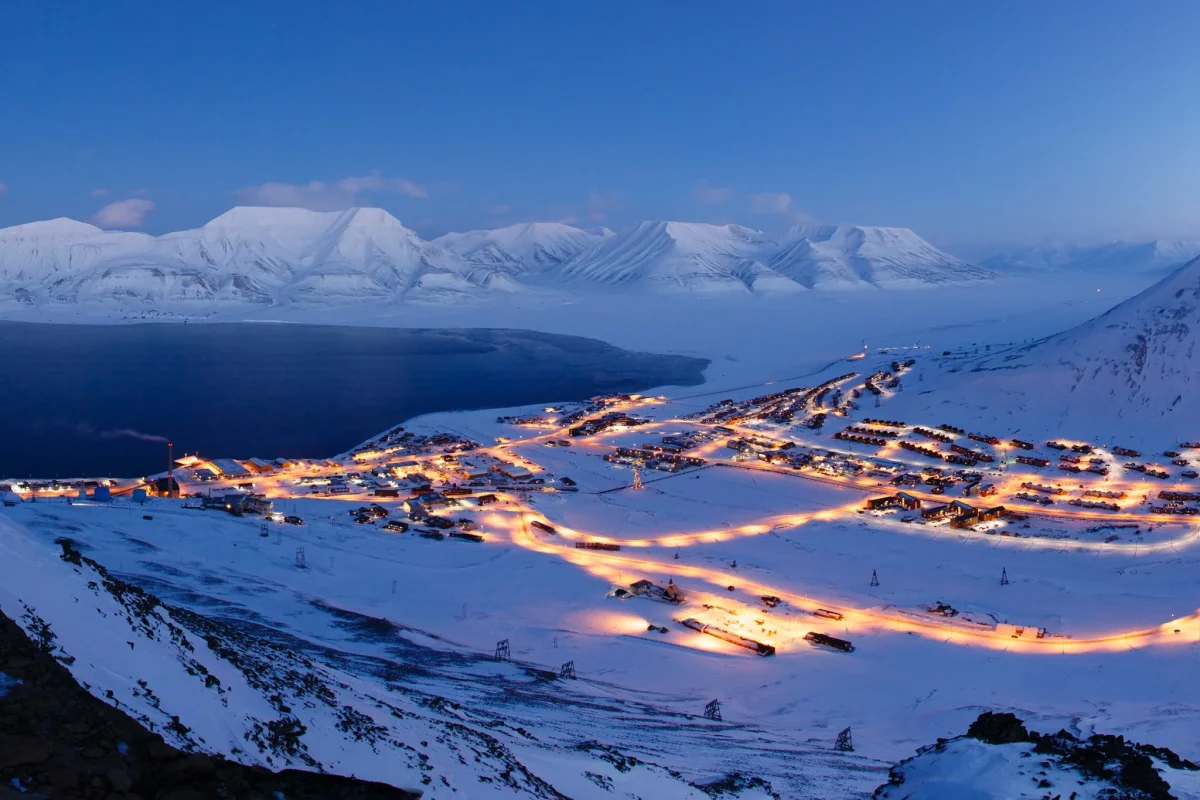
<point x="529" y="421"/>
<point x="937" y="436"/>
<point x="598" y="404"/>
<point x="857" y="438"/>
<point x="612" y="420"/>
<point x="1094" y="504"/>
<point x="878" y="382"/>
<point x="1153" y="472"/>
<point x="784" y="407"/>
<point x="959" y="514"/>
<point x="237" y="503"/>
<point x="1176" y="503"/>
<point x="653" y="457"/>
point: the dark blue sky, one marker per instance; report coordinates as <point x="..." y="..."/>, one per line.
<point x="966" y="121"/>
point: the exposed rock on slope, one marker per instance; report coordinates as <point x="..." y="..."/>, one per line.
<point x="57" y="741"/>
<point x="998" y="758"/>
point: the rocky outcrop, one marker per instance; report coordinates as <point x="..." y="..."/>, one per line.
<point x="57" y="741"/>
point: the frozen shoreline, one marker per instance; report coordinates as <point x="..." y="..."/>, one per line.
<point x="746" y="338"/>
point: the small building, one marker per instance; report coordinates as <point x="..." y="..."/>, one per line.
<point x="239" y="503"/>
<point x="880" y="503"/>
<point x="470" y="472"/>
<point x="513" y="472"/>
<point x="966" y="521"/>
<point x="907" y="501"/>
<point x="995" y="512"/>
<point x="937" y="512"/>
<point x="102" y="494"/>
<point x="229" y="468"/>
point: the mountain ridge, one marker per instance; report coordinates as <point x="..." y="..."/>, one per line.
<point x="1150" y="257"/>
<point x="268" y="256"/>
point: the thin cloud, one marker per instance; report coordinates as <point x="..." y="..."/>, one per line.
<point x="601" y="204"/>
<point x="3" y="187"/>
<point x="99" y="193"/>
<point x="499" y="208"/>
<point x="711" y="195"/>
<point x="769" y="202"/>
<point x="123" y="214"/>
<point x="780" y="204"/>
<point x="322" y="196"/>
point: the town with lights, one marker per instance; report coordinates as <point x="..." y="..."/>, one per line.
<point x="563" y="483"/>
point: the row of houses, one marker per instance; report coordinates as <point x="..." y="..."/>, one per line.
<point x="663" y="462"/>
<point x="605" y="422"/>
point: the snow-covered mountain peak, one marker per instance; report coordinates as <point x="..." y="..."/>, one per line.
<point x="521" y="247"/>
<point x="61" y="227"/>
<point x="304" y="223"/>
<point x="822" y="256"/>
<point x="294" y="255"/>
<point x="698" y="235"/>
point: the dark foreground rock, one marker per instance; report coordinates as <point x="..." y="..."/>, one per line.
<point x="1116" y="768"/>
<point x="57" y="741"/>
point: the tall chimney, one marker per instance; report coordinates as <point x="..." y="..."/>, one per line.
<point x="171" y="469"/>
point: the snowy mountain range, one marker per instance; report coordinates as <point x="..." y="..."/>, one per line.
<point x="293" y="256"/>
<point x="1129" y="257"/>
<point x="1125" y="374"/>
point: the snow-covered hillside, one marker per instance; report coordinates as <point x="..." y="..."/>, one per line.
<point x="218" y="657"/>
<point x="296" y="257"/>
<point x="257" y="255"/>
<point x="701" y="257"/>
<point x="1127" y="373"/>
<point x="998" y="759"/>
<point x="820" y="256"/>
<point x="520" y="248"/>
<point x="679" y="256"/>
<point x="1157" y="256"/>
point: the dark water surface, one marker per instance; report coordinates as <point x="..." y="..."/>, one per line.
<point x="74" y="399"/>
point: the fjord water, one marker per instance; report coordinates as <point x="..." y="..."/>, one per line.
<point x="95" y="400"/>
